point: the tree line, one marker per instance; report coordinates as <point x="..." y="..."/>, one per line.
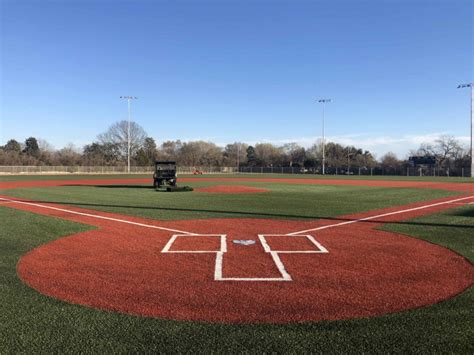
<point x="111" y="148"/>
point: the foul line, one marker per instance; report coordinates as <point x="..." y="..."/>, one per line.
<point x="191" y="233"/>
<point x="381" y="215"/>
<point x="285" y="276"/>
<point x="98" y="216"/>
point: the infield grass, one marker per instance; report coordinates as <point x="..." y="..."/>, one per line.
<point x="283" y="201"/>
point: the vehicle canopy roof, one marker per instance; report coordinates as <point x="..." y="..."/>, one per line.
<point x="157" y="162"/>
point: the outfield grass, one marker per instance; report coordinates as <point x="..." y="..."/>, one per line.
<point x="255" y="175"/>
<point x="33" y="323"/>
<point x="283" y="201"/>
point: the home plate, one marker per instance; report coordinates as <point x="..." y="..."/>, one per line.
<point x="243" y="241"/>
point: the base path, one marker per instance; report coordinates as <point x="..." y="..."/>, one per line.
<point x="245" y="270"/>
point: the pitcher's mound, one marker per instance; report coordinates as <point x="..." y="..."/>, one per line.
<point x="231" y="189"/>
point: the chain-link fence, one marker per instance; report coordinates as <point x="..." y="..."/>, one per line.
<point x="403" y="171"/>
<point x="26" y="170"/>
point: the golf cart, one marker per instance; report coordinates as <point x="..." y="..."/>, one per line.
<point x="165" y="174"/>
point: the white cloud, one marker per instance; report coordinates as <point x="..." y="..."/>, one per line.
<point x="377" y="144"/>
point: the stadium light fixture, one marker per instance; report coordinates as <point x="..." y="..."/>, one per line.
<point x="324" y="101"/>
<point x="128" y="98"/>
<point x="462" y="86"/>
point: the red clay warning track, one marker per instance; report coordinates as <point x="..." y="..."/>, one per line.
<point x="121" y="267"/>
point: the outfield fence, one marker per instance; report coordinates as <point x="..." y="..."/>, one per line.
<point x="30" y="170"/>
<point x="376" y="171"/>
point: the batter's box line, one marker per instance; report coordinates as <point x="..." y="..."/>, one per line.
<point x="285" y="276"/>
<point x="320" y="249"/>
<point x="218" y="273"/>
<point x="223" y="246"/>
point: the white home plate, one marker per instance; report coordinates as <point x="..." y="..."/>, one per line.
<point x="243" y="241"/>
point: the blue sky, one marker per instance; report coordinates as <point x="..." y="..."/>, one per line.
<point x="238" y="70"/>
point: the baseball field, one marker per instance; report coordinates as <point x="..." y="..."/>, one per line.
<point x="243" y="263"/>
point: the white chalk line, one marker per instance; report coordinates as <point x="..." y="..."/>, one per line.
<point x="285" y="276"/>
<point x="191" y="233"/>
<point x="97" y="216"/>
<point x="380" y="215"/>
<point x="167" y="248"/>
<point x="218" y="273"/>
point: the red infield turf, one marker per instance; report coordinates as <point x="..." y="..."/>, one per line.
<point x="121" y="267"/>
<point x="138" y="269"/>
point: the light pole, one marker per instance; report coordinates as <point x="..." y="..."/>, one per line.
<point x="470" y="85"/>
<point x="128" y="98"/>
<point x="323" y="101"/>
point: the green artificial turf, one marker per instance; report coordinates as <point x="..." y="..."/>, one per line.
<point x="33" y="323"/>
<point x="40" y="177"/>
<point x="284" y="201"/>
<point x="453" y="229"/>
<point x="4" y="178"/>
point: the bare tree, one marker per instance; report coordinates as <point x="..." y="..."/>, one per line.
<point x="200" y="153"/>
<point x="447" y="150"/>
<point x="69" y="155"/>
<point x="235" y="154"/>
<point x="390" y="162"/>
<point x="169" y="150"/>
<point x="336" y="155"/>
<point x="294" y="154"/>
<point x="45" y="146"/>
<point x="267" y="154"/>
<point x="117" y="135"/>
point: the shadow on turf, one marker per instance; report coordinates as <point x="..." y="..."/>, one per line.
<point x="117" y="186"/>
<point x="468" y="213"/>
<point x="464" y="213"/>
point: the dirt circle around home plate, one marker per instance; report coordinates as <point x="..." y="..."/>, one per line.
<point x="231" y="189"/>
<point x="211" y="276"/>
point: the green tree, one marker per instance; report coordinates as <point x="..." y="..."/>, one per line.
<point x="12" y="146"/>
<point x="149" y="148"/>
<point x="251" y="161"/>
<point x="31" y="147"/>
<point x="142" y="158"/>
<point x="100" y="154"/>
